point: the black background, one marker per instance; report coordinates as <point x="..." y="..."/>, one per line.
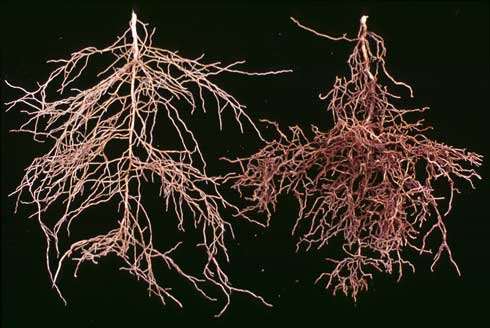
<point x="441" y="49"/>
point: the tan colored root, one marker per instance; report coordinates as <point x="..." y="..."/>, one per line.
<point x="78" y="171"/>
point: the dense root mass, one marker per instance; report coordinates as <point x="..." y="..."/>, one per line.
<point x="80" y="172"/>
<point x="368" y="181"/>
